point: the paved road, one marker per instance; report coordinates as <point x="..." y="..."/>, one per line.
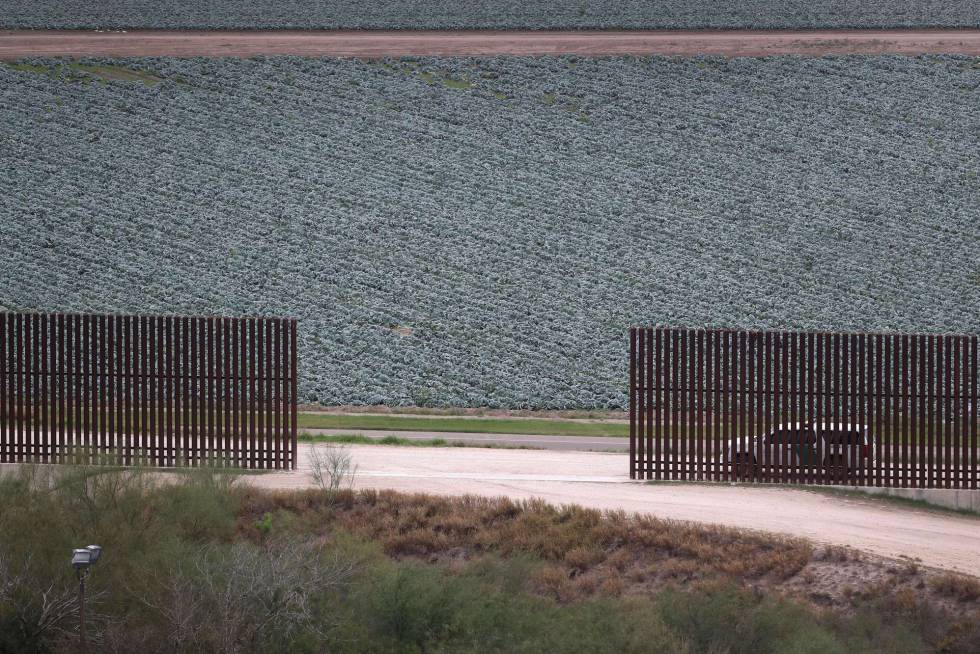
<point x="369" y="43"/>
<point x="600" y="480"/>
<point x="579" y="443"/>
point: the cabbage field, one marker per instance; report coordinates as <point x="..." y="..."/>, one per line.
<point x="483" y="231"/>
<point x="500" y="14"/>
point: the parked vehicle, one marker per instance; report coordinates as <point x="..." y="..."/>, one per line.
<point x="839" y="448"/>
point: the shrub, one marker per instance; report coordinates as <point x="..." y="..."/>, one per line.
<point x="958" y="587"/>
<point x="304" y="583"/>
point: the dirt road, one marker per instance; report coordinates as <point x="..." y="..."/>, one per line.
<point x="598" y="480"/>
<point x="15" y="44"/>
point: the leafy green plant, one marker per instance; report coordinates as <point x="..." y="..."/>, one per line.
<point x="265" y="524"/>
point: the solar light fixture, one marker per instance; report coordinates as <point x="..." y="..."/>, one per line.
<point x="82" y="559"/>
<point x="96" y="552"/>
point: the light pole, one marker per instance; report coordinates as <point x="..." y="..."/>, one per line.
<point x="82" y="560"/>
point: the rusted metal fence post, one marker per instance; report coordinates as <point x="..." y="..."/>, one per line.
<point x="166" y="390"/>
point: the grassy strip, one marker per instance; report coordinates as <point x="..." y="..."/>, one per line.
<point x="466" y="425"/>
<point x="471" y="412"/>
<point x="359" y="439"/>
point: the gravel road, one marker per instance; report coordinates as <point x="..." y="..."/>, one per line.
<point x="15" y="44"/>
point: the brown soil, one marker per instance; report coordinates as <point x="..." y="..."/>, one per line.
<point x="16" y="44"/>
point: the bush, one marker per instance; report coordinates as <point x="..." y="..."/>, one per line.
<point x="736" y="622"/>
<point x="186" y="569"/>
<point x="410" y="608"/>
<point x="173" y="577"/>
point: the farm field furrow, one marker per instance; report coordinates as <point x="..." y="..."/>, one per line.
<point x="494" y="14"/>
<point x="482" y="231"/>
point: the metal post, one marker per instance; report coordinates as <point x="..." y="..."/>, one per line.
<point x="82" y="641"/>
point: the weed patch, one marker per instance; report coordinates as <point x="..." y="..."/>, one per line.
<point x="200" y="563"/>
<point x="85" y="72"/>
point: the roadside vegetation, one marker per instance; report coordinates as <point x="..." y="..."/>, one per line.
<point x="472" y="412"/>
<point x="359" y="439"/>
<point x="462" y="424"/>
<point x="199" y="562"/>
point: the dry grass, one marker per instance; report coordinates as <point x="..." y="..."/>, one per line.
<point x="577" y="553"/>
<point x="594" y="551"/>
<point x="836" y="554"/>
<point x="958" y="587"/>
<point x="584" y="552"/>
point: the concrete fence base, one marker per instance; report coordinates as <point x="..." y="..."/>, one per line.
<point x="960" y="500"/>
